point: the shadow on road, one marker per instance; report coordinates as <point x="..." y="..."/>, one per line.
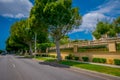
<point x="54" y="64"/>
<point x="22" y="57"/>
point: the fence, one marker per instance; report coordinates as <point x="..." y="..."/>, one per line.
<point x="109" y="42"/>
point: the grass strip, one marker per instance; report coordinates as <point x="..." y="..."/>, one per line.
<point x="46" y="59"/>
<point x="93" y="67"/>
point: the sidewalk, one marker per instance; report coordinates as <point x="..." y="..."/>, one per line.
<point x="109" y="65"/>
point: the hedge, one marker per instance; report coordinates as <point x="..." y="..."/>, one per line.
<point x="71" y="57"/>
<point x="86" y="59"/>
<point x="76" y="58"/>
<point x="99" y="60"/>
<point x="117" y="61"/>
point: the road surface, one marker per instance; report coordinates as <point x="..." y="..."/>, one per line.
<point x="18" y="68"/>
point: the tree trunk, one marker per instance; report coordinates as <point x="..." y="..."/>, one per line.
<point x="35" y="43"/>
<point x="30" y="47"/>
<point x="58" y="50"/>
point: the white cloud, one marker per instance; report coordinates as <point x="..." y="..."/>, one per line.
<point x="111" y="8"/>
<point x="15" y="8"/>
<point x="90" y="20"/>
<point x="107" y="11"/>
<point x="4" y="1"/>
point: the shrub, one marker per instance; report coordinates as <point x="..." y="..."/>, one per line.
<point x="99" y="60"/>
<point x="38" y="55"/>
<point x="117" y="61"/>
<point x="118" y="46"/>
<point x="102" y="60"/>
<point x="28" y="56"/>
<point x="86" y="59"/>
<point x="82" y="50"/>
<point x="53" y="56"/>
<point x="95" y="60"/>
<point x="44" y="55"/>
<point x="41" y="55"/>
<point x="76" y="58"/>
<point x="69" y="57"/>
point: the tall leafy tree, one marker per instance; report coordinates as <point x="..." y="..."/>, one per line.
<point x="21" y="33"/>
<point x="37" y="24"/>
<point x="60" y="18"/>
<point x="56" y="16"/>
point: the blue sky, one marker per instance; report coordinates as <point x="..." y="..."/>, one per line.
<point x="91" y="11"/>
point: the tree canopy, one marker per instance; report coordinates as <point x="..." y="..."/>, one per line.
<point x="105" y="28"/>
<point x="56" y="17"/>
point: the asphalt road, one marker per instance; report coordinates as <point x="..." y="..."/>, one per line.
<point x="17" y="68"/>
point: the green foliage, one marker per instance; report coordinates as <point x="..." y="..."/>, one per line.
<point x="57" y="15"/>
<point x="105" y="28"/>
<point x="117" y="61"/>
<point x="94" y="47"/>
<point x="102" y="27"/>
<point x="42" y="55"/>
<point x="70" y="57"/>
<point x="99" y="60"/>
<point x="45" y="55"/>
<point x="20" y="36"/>
<point x="53" y="56"/>
<point x="44" y="46"/>
<point x="67" y="50"/>
<point x="64" y="40"/>
<point x="118" y="46"/>
<point x="86" y="59"/>
<point x="76" y="58"/>
<point x="87" y="48"/>
<point x="92" y="67"/>
<point x="82" y="50"/>
<point x="28" y="56"/>
<point x="1" y="51"/>
<point x="116" y="23"/>
<point x="75" y="41"/>
<point x="96" y="34"/>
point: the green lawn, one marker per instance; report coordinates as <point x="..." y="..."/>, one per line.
<point x="98" y="68"/>
<point x="92" y="67"/>
<point x="47" y="59"/>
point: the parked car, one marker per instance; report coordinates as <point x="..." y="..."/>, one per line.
<point x="3" y="53"/>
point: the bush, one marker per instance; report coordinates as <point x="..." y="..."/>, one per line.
<point x="69" y="57"/>
<point x="117" y="61"/>
<point x="99" y="60"/>
<point x="28" y="56"/>
<point x="44" y="55"/>
<point x="102" y="60"/>
<point x="76" y="58"/>
<point x="82" y="50"/>
<point x="38" y="55"/>
<point x="118" y="46"/>
<point x="53" y="56"/>
<point x="86" y="59"/>
<point x="41" y="55"/>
